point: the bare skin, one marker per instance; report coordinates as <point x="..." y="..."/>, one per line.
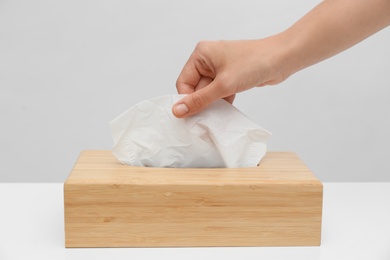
<point x="220" y="69"/>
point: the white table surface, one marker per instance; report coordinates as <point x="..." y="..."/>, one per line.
<point x="356" y="225"/>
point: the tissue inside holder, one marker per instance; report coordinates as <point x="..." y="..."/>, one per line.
<point x="148" y="134"/>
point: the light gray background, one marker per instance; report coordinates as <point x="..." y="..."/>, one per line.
<point x="68" y="67"/>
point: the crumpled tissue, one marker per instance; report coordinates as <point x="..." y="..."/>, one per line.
<point x="148" y="134"/>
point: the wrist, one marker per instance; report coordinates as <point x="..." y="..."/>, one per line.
<point x="275" y="53"/>
<point x="292" y="53"/>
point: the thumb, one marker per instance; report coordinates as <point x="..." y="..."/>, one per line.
<point x="196" y="101"/>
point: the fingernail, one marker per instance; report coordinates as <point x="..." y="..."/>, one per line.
<point x="181" y="109"/>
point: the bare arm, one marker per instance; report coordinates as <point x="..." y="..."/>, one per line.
<point x="332" y="27"/>
<point x="220" y="69"/>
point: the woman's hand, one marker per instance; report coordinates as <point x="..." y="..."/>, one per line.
<point x="220" y="69"/>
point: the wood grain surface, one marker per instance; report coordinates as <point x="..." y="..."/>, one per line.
<point x="107" y="204"/>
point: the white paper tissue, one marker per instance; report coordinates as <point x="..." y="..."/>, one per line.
<point x="148" y="134"/>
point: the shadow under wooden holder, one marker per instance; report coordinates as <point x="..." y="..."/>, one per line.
<point x="108" y="204"/>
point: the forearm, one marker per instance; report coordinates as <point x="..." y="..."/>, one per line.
<point x="331" y="27"/>
<point x="231" y="67"/>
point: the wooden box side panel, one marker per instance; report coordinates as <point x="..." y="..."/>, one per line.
<point x="270" y="214"/>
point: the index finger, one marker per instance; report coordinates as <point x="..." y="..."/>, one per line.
<point x="189" y="77"/>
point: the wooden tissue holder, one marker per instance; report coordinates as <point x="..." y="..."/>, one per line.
<point x="107" y="204"/>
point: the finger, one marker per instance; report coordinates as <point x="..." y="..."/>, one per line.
<point x="189" y="77"/>
<point x="203" y="82"/>
<point x="196" y="101"/>
<point x="230" y="99"/>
